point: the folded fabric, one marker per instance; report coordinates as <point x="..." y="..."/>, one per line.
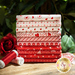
<point x="37" y="24"/>
<point x="39" y="52"/>
<point x="38" y="48"/>
<point x="38" y="43"/>
<point x="37" y="34"/>
<point x="39" y="37"/>
<point x="54" y="39"/>
<point x="24" y="18"/>
<point x="40" y="56"/>
<point x="34" y="29"/>
<point x="40" y="60"/>
<point x="70" y="56"/>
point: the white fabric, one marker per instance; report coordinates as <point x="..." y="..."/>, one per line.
<point x="70" y="56"/>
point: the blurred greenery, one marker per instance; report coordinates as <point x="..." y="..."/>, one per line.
<point x="10" y="8"/>
<point x="68" y="44"/>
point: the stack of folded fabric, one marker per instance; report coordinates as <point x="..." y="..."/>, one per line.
<point x="39" y="37"/>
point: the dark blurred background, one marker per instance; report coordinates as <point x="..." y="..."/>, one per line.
<point x="10" y="8"/>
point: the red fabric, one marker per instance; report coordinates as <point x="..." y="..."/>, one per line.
<point x="38" y="43"/>
<point x="41" y="39"/>
<point x="7" y="44"/>
<point x="40" y="56"/>
<point x="40" y="52"/>
<point x="40" y="60"/>
<point x="38" y="40"/>
<point x="38" y="48"/>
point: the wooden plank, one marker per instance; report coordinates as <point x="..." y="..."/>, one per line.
<point x="34" y="69"/>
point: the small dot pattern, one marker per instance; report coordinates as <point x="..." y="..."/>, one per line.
<point x="39" y="37"/>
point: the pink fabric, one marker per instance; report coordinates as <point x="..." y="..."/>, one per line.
<point x="70" y="56"/>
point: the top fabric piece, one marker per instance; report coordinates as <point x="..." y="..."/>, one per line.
<point x="25" y="18"/>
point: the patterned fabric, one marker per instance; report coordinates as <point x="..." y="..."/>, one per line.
<point x="39" y="37"/>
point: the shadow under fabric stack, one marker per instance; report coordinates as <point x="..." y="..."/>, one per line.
<point x="39" y="37"/>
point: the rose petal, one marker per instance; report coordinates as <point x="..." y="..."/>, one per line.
<point x="7" y="43"/>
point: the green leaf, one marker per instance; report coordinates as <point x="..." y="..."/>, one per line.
<point x="20" y="0"/>
<point x="40" y="3"/>
<point x="1" y="37"/>
<point x="14" y="25"/>
<point x="63" y="43"/>
<point x="71" y="14"/>
<point x="62" y="6"/>
<point x="66" y="23"/>
<point x="12" y="6"/>
<point x="72" y="38"/>
<point x="9" y="25"/>
<point x="65" y="0"/>
<point x="72" y="49"/>
<point x="20" y="6"/>
<point x="27" y="6"/>
<point x="64" y="39"/>
<point x="26" y="1"/>
<point x="64" y="49"/>
<point x="62" y="31"/>
<point x="2" y="16"/>
<point x="66" y="43"/>
<point x="69" y="43"/>
<point x="27" y="9"/>
<point x="70" y="25"/>
<point x="14" y="28"/>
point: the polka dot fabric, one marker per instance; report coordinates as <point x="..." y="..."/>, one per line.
<point x="37" y="34"/>
<point x="37" y="29"/>
<point x="38" y="43"/>
<point x="39" y="37"/>
<point x="39" y="24"/>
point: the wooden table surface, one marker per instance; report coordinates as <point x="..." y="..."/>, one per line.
<point x="34" y="69"/>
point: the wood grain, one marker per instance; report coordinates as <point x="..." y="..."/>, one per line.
<point x="34" y="69"/>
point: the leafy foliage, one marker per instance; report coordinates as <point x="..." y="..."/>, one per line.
<point x="68" y="44"/>
<point x="10" y="8"/>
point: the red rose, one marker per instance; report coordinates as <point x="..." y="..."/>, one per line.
<point x="7" y="43"/>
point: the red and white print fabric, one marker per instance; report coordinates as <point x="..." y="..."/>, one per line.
<point x="38" y="24"/>
<point x="23" y="18"/>
<point x="39" y="29"/>
<point x="22" y="52"/>
<point x="37" y="34"/>
<point x="39" y="37"/>
<point x="58" y="38"/>
<point x="38" y="43"/>
<point x="38" y="48"/>
<point x="40" y="60"/>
